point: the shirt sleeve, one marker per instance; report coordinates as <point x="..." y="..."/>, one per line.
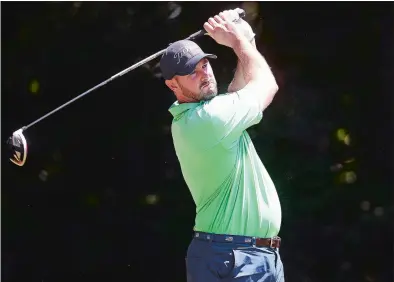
<point x="231" y="114"/>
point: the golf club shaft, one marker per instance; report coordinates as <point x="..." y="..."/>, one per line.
<point x="97" y="86"/>
<point x="191" y="37"/>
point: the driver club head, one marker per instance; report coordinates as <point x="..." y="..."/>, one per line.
<point x="18" y="148"/>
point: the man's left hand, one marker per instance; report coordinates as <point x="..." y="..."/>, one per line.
<point x="246" y="29"/>
<point x="243" y="25"/>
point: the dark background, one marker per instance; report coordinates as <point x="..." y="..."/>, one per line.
<point x="80" y="210"/>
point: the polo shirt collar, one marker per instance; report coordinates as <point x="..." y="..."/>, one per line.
<point x="177" y="109"/>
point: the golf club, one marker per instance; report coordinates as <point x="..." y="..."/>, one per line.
<point x="17" y="143"/>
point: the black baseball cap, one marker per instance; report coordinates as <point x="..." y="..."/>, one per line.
<point x="181" y="58"/>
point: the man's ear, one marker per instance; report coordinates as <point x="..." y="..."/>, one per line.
<point x="172" y="84"/>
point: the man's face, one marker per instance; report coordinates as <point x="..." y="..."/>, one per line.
<point x="197" y="86"/>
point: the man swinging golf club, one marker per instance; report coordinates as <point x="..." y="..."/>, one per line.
<point x="238" y="210"/>
<point x="238" y="213"/>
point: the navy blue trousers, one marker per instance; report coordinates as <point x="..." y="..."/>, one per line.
<point x="208" y="261"/>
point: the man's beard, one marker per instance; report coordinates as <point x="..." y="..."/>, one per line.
<point x="210" y="93"/>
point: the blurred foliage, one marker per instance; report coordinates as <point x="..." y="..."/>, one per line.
<point x="102" y="192"/>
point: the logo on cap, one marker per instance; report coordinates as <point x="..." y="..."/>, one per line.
<point x="181" y="53"/>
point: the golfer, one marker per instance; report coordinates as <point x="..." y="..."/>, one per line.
<point x="238" y="213"/>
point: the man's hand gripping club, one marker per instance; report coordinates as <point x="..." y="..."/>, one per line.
<point x="257" y="75"/>
<point x="223" y="29"/>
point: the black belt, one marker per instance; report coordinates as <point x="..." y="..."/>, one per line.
<point x="273" y="242"/>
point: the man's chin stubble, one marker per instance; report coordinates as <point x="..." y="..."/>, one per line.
<point x="209" y="95"/>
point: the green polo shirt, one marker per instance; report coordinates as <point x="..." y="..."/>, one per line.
<point x="230" y="186"/>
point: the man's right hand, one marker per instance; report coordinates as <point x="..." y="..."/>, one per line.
<point x="223" y="29"/>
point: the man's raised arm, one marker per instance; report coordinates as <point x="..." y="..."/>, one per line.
<point x="256" y="72"/>
<point x="238" y="81"/>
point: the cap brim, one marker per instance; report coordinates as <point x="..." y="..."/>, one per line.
<point x="192" y="63"/>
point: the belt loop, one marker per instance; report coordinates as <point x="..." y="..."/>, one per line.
<point x="272" y="242"/>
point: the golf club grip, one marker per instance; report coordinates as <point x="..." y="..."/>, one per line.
<point x="202" y="31"/>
